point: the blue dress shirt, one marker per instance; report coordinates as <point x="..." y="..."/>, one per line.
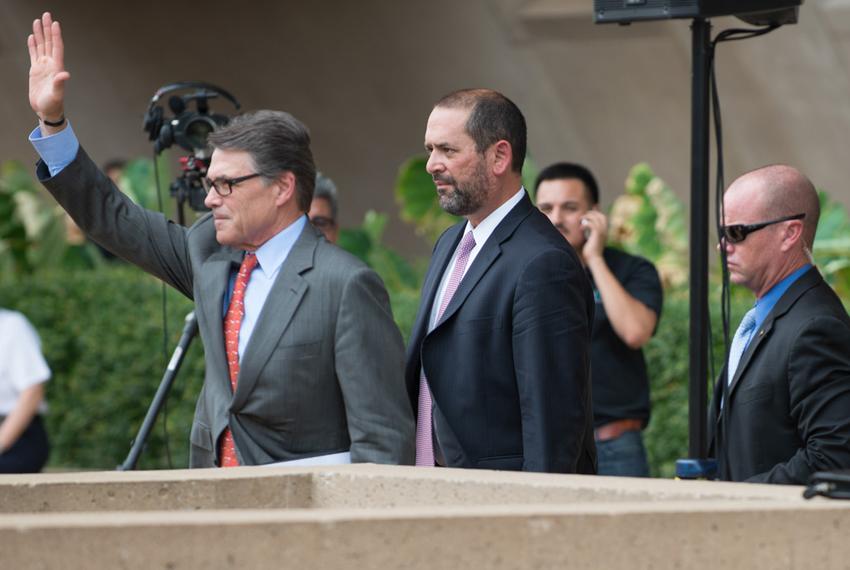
<point x="57" y="150"/>
<point x="765" y="305"/>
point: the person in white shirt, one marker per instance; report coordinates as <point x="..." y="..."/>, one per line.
<point x="23" y="372"/>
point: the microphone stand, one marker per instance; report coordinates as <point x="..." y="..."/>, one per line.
<point x="190" y="330"/>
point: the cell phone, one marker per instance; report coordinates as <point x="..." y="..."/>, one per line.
<point x="585" y="229"/>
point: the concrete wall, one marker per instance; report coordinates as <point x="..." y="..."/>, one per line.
<point x="369" y="516"/>
<point x="363" y="76"/>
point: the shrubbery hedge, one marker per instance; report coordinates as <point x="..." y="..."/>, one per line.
<point x="102" y="335"/>
<point x="667" y="360"/>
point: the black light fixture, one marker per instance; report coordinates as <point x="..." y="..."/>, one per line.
<point x="756" y="12"/>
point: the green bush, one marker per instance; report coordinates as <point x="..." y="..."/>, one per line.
<point x="102" y="335"/>
<point x="667" y="362"/>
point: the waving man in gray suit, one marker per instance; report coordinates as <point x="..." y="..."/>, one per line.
<point x="302" y="355"/>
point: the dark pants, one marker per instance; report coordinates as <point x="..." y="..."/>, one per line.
<point x="624" y="456"/>
<point x="29" y="453"/>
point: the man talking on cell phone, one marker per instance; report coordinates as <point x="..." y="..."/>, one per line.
<point x="628" y="298"/>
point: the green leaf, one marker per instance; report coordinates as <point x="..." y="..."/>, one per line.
<point x="529" y="177"/>
<point x="417" y="198"/>
<point x="355" y="241"/>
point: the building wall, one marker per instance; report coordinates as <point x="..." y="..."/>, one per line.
<point x="363" y="76"/>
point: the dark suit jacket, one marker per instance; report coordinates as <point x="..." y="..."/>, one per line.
<point x="323" y="370"/>
<point x="508" y="363"/>
<point x="789" y="403"/>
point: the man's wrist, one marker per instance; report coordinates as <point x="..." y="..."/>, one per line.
<point x="53" y="121"/>
<point x="592" y="261"/>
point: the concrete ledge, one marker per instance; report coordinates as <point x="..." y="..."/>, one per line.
<point x="367" y="516"/>
<point x="356" y="486"/>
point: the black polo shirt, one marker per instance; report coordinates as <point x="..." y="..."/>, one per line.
<point x="618" y="373"/>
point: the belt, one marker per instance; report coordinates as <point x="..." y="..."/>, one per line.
<point x="615" y="429"/>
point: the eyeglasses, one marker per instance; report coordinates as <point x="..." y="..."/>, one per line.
<point x="322" y="222"/>
<point x="737" y="233"/>
<point x="224" y="186"/>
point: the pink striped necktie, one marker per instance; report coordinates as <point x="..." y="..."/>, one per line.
<point x="424" y="416"/>
<point x="232" y="324"/>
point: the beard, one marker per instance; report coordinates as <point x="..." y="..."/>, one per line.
<point x="468" y="196"/>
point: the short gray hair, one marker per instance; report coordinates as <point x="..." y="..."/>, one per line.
<point x="277" y="142"/>
<point x="326" y="189"/>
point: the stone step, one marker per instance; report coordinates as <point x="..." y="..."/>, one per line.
<point x="367" y="516"/>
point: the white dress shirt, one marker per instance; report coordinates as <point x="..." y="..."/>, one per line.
<point x="481" y="233"/>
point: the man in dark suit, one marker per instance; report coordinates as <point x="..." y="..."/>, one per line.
<point x="781" y="407"/>
<point x="303" y="358"/>
<point x="498" y="360"/>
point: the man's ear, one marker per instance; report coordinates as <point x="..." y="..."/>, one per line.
<point x="792" y="235"/>
<point x="284" y="187"/>
<point x="502" y="157"/>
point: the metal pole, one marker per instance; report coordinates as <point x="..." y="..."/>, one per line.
<point x="189" y="332"/>
<point x="698" y="344"/>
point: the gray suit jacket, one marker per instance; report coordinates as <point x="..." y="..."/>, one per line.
<point x="323" y="370"/>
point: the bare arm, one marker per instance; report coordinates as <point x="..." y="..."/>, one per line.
<point x="20" y="417"/>
<point x="633" y="321"/>
<point x="47" y="73"/>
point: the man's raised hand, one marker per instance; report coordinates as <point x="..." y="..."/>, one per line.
<point x="47" y="69"/>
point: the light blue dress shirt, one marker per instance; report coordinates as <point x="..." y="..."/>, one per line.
<point x="765" y="305"/>
<point x="270" y="258"/>
<point x="59" y="150"/>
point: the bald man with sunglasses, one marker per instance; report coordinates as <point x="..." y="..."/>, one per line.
<point x="781" y="407"/>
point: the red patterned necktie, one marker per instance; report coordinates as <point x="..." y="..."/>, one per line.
<point x="424" y="416"/>
<point x="232" y="323"/>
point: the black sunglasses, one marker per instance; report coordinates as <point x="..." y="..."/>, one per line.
<point x="736" y="233"/>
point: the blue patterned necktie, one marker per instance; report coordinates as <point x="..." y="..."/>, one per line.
<point x="739" y="343"/>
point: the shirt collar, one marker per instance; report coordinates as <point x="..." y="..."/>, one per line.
<point x="272" y="254"/>
<point x="482" y="231"/>
<point x="768" y="301"/>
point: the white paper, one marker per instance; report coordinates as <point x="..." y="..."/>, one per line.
<point x="342" y="458"/>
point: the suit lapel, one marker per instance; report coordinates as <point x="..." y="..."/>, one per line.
<point x="806" y="281"/>
<point x="490" y="252"/>
<point x="277" y="313"/>
<point x="215" y="278"/>
<point x="440" y="260"/>
<point x="479" y="267"/>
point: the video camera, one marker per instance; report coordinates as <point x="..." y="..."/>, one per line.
<point x="188" y="129"/>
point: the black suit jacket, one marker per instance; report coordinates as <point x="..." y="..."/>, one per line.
<point x="508" y="362"/>
<point x="789" y="402"/>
